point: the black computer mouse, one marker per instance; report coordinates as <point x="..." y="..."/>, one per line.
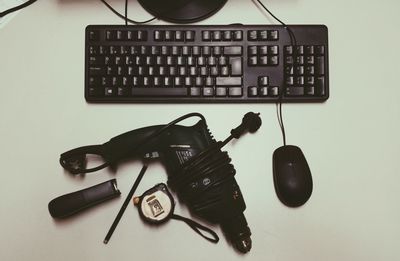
<point x="292" y="176"/>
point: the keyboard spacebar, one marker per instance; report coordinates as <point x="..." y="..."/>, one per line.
<point x="159" y="92"/>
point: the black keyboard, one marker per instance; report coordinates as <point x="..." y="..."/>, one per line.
<point x="206" y="63"/>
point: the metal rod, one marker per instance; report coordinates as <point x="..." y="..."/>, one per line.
<point x="126" y="202"/>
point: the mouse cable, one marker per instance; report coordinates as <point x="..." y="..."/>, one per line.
<point x="293" y="42"/>
<point x="125" y="17"/>
<point x="16" y="8"/>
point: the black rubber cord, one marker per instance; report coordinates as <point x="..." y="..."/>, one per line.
<point x="293" y="42"/>
<point x="16" y="8"/>
<point x="125" y="16"/>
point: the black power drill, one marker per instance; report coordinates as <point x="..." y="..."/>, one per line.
<point x="198" y="170"/>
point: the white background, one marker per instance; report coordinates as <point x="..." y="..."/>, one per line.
<point x="351" y="142"/>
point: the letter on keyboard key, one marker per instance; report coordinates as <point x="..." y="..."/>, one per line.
<point x="228" y="81"/>
<point x="160" y="92"/>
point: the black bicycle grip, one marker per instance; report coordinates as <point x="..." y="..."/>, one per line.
<point x="72" y="203"/>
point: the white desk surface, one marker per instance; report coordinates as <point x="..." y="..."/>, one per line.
<point x="351" y="142"/>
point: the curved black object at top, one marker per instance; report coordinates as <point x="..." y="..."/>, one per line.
<point x="182" y="11"/>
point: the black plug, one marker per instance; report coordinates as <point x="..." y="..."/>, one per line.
<point x="251" y="122"/>
<point x="75" y="164"/>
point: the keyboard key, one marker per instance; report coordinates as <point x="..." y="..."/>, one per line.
<point x="273" y="49"/>
<point x="263" y="81"/>
<point x="273" y="91"/>
<point x="252" y="35"/>
<point x="300" y="49"/>
<point x="289" y="80"/>
<point x="141" y="35"/>
<point x="273" y="60"/>
<point x="168" y="35"/>
<point x="310" y="90"/>
<point x="96" y="60"/>
<point x="263" y="60"/>
<point x="94" y="35"/>
<point x="235" y="92"/>
<point x="289" y="50"/>
<point x="263" y="50"/>
<point x="195" y="91"/>
<point x="94" y="81"/>
<point x="96" y="92"/>
<point x="238" y="35"/>
<point x="190" y="35"/>
<point x="320" y="65"/>
<point x="111" y="35"/>
<point x="179" y="36"/>
<point x="196" y="51"/>
<point x="228" y="81"/>
<point x="310" y="49"/>
<point x="97" y="70"/>
<point x="320" y="50"/>
<point x="264" y="91"/>
<point x="208" y="91"/>
<point x="233" y="50"/>
<point x="236" y="66"/>
<point x="310" y="80"/>
<point x="123" y="91"/>
<point x="220" y="91"/>
<point x="295" y="91"/>
<point x="110" y="91"/>
<point x="252" y="50"/>
<point x="216" y="36"/>
<point x="206" y="35"/>
<point x="263" y="35"/>
<point x="273" y="35"/>
<point x="158" y="35"/>
<point x="227" y="35"/>
<point x="159" y="92"/>
<point x="253" y="61"/>
<point x="252" y="91"/>
<point x="320" y="86"/>
<point x="310" y="60"/>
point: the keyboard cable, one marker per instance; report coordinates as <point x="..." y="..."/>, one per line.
<point x="293" y="42"/>
<point x="125" y="16"/>
<point x="16" y="8"/>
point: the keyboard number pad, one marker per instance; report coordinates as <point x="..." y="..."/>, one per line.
<point x="304" y="70"/>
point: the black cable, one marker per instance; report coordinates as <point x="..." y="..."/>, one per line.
<point x="78" y="155"/>
<point x="16" y="8"/>
<point x="293" y="42"/>
<point x="126" y="12"/>
<point x="125" y="17"/>
<point x="211" y="166"/>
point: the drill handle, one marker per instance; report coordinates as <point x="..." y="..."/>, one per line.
<point x="130" y="144"/>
